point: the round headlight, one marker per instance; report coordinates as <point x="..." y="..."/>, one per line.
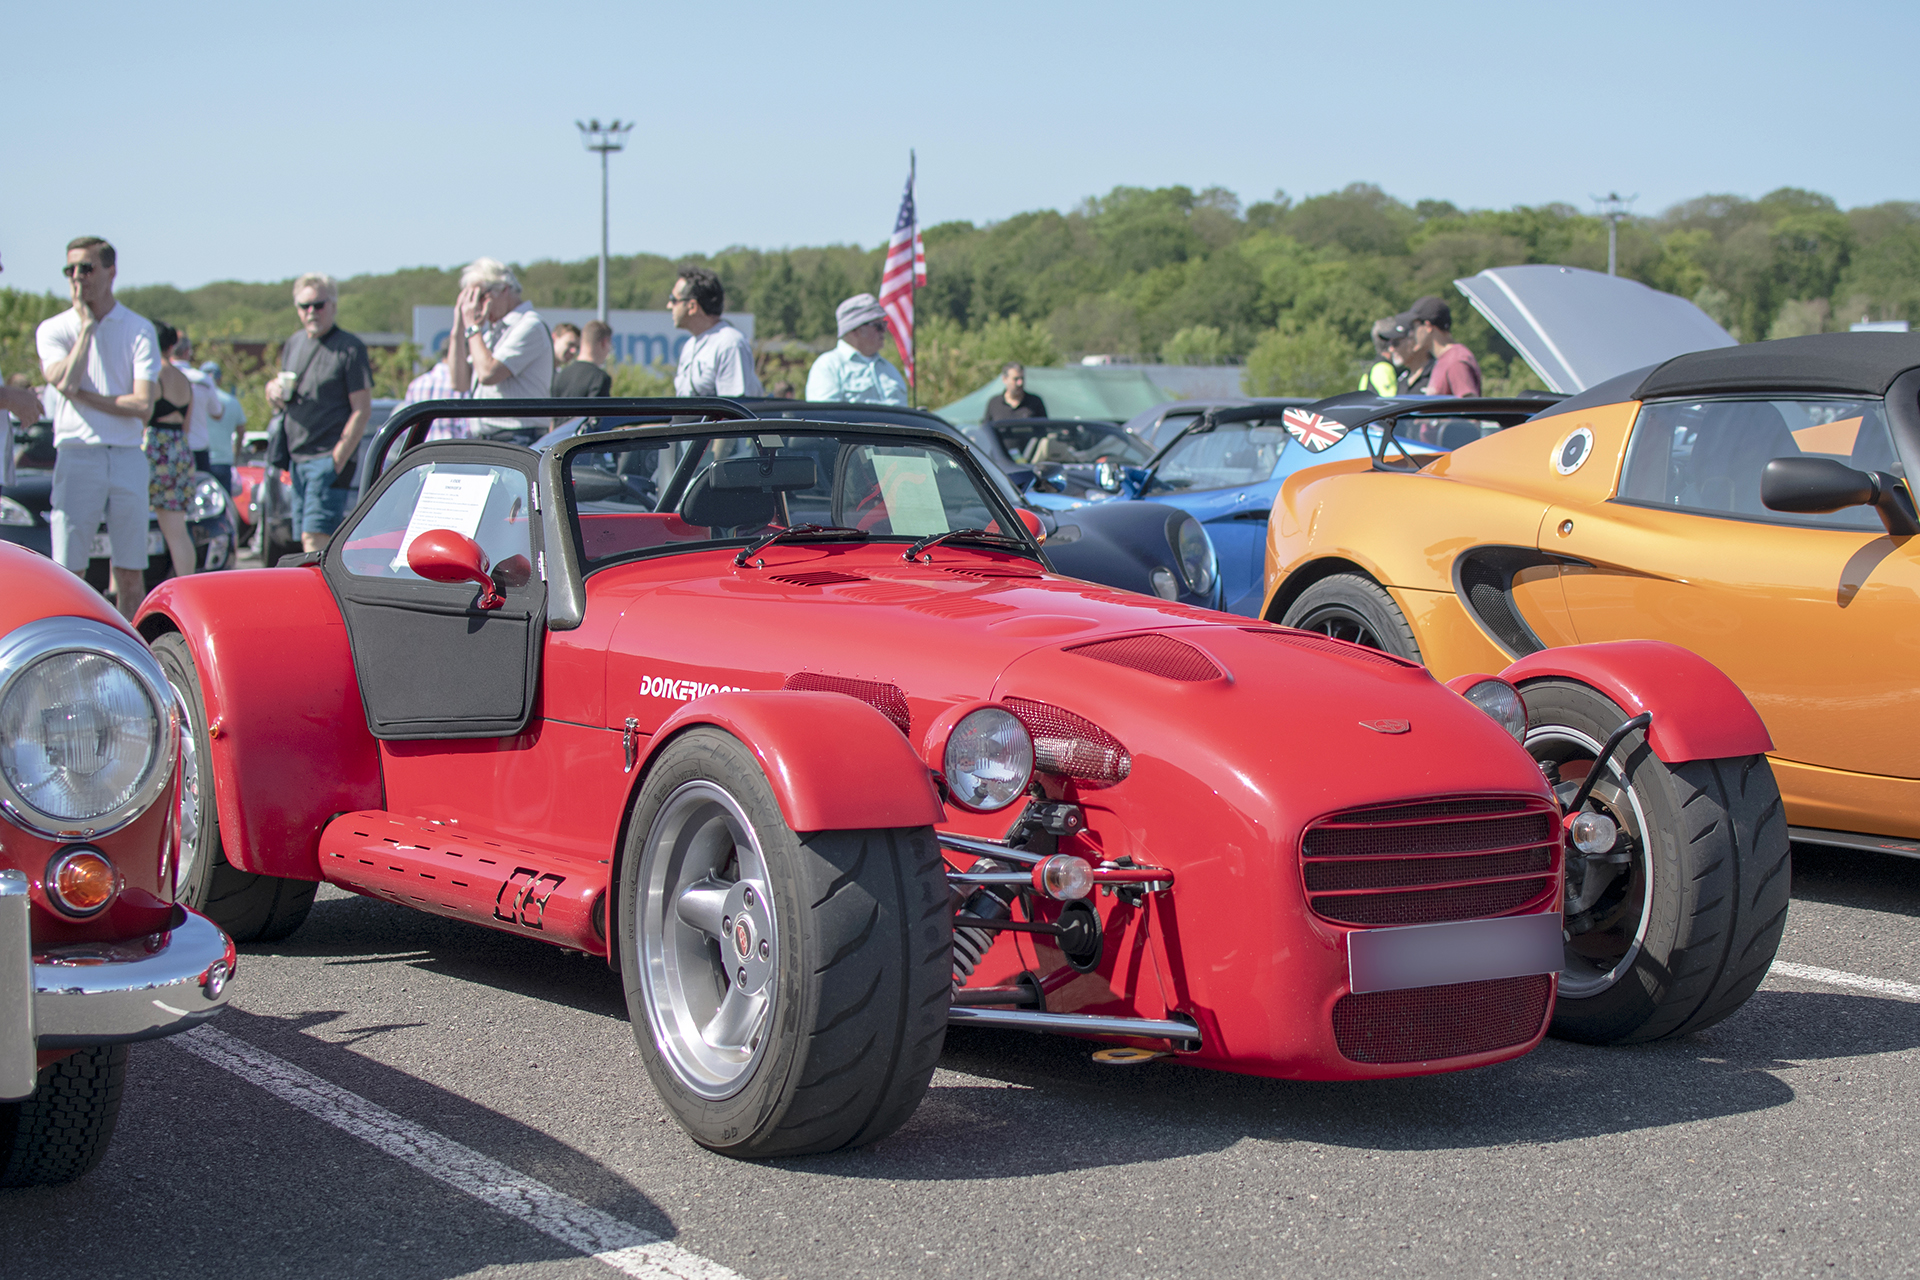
<point x="1501" y="701"/>
<point x="1196" y="556"/>
<point x="87" y="727"/>
<point x="207" y="499"/>
<point x="989" y="760"/>
<point x="12" y="513"/>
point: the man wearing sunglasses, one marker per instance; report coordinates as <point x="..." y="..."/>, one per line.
<point x="853" y="371"/>
<point x="717" y="360"/>
<point x="103" y="364"/>
<point x="325" y="410"/>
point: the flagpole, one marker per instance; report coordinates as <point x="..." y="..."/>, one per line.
<point x="913" y="244"/>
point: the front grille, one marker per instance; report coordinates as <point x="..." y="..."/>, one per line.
<point x="1154" y="654"/>
<point x="887" y="699"/>
<point x="1432" y="861"/>
<point x="1428" y="1024"/>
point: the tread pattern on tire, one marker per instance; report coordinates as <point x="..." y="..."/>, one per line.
<point x="1365" y="598"/>
<point x="62" y="1131"/>
<point x="251" y="907"/>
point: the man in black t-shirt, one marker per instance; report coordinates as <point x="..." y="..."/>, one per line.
<point x="587" y="376"/>
<point x="325" y="396"/>
<point x="1015" y="401"/>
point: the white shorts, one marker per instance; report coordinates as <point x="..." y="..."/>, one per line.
<point x="95" y="482"/>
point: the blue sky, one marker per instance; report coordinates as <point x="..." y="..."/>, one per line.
<point x="252" y="142"/>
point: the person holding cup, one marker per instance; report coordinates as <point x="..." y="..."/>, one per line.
<point x="324" y="393"/>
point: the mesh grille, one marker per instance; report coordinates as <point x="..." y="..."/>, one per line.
<point x="817" y="578"/>
<point x="1156" y="655"/>
<point x="1327" y="644"/>
<point x="887" y="699"/>
<point x="1406" y="863"/>
<point x="1072" y="745"/>
<point x="1428" y="1024"/>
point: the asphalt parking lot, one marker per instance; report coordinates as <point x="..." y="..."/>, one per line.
<point x="396" y="1095"/>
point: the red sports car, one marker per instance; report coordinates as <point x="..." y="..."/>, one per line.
<point x="96" y="789"/>
<point x="793" y="723"/>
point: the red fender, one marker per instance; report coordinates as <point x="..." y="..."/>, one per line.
<point x="1698" y="713"/>
<point x="835" y="764"/>
<point x="288" y="734"/>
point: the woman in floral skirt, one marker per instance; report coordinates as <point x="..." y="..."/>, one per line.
<point x="169" y="460"/>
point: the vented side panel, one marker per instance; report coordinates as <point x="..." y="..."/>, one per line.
<point x="1430" y="1024"/>
<point x="887" y="699"/>
<point x="1156" y="655"/>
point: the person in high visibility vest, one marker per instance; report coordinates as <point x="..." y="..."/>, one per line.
<point x="1383" y="375"/>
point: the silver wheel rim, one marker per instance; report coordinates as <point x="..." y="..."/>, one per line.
<point x="188" y="816"/>
<point x="1580" y="978"/>
<point x="709" y="948"/>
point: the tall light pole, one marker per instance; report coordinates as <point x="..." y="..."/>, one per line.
<point x="1613" y="207"/>
<point x="605" y="139"/>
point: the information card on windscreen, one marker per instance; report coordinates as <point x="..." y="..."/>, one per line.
<point x="446" y="502"/>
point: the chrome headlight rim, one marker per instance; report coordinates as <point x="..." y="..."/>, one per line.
<point x="49" y="637"/>
<point x="1496" y="698"/>
<point x="1198" y="580"/>
<point x="981" y="801"/>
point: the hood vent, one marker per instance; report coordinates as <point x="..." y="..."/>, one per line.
<point x="816" y="578"/>
<point x="996" y="571"/>
<point x="1157" y="655"/>
<point x="887" y="699"/>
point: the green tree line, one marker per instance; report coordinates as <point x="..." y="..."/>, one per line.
<point x="1288" y="288"/>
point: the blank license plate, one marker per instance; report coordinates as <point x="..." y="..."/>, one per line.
<point x="1436" y="955"/>
<point x="103" y="545"/>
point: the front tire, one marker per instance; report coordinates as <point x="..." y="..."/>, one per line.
<point x="1348" y="606"/>
<point x="789" y="992"/>
<point x="1676" y="927"/>
<point x="250" y="907"/>
<point x="61" y="1132"/>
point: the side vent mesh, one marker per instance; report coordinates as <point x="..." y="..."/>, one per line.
<point x="1156" y="655"/>
<point x="887" y="699"/>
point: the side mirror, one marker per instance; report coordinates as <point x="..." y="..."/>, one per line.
<point x="1108" y="476"/>
<point x="1815" y="485"/>
<point x="441" y="555"/>
<point x="1034" y="527"/>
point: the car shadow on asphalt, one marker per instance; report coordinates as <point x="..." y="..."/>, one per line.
<point x="244" y="1183"/>
<point x="1859" y="878"/>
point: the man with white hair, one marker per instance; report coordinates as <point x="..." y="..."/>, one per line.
<point x="853" y="371"/>
<point x="503" y="350"/>
<point x="325" y="398"/>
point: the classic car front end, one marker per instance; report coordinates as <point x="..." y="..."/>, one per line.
<point x="95" y="952"/>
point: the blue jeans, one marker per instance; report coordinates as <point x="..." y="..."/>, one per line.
<point x="318" y="506"/>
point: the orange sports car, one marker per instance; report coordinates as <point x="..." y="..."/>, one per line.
<point x="1749" y="504"/>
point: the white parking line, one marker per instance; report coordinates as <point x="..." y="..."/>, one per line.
<point x="1841" y="978"/>
<point x="605" y="1238"/>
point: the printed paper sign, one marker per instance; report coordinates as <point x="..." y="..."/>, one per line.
<point x="446" y="501"/>
<point x="1312" y="430"/>
<point x="912" y="494"/>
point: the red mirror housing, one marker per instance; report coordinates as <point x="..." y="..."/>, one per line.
<point x="1034" y="527"/>
<point x="441" y="555"/>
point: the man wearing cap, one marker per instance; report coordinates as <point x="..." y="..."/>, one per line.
<point x="1450" y="368"/>
<point x="853" y="371"/>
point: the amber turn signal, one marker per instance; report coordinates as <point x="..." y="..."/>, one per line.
<point x="81" y="881"/>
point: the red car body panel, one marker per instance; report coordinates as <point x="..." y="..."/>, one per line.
<point x="1698" y="713"/>
<point x="288" y="733"/>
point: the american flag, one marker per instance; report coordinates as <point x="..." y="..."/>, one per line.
<point x="1312" y="430"/>
<point x="906" y="270"/>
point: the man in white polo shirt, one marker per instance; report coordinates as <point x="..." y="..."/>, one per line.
<point x="504" y="350"/>
<point x="102" y="365"/>
<point x="717" y="360"/>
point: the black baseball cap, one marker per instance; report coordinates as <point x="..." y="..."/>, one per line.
<point x="1430" y="309"/>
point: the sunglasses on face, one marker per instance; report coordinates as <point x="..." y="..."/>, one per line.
<point x="313" y="306"/>
<point x="73" y="269"/>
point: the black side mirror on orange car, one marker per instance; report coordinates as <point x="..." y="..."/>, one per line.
<point x="1814" y="485"/>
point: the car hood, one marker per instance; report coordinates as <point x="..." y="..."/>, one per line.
<point x="1576" y="328"/>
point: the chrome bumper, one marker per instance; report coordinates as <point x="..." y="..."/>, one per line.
<point x="100" y="992"/>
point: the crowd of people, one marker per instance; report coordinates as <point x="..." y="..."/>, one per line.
<point x="134" y="418"/>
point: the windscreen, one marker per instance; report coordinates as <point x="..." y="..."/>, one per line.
<point x="1039" y="441"/>
<point x="1228" y="456"/>
<point x="659" y="495"/>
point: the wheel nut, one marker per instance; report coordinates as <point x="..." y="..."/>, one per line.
<point x="765" y="950"/>
<point x="747" y="897"/>
<point x="742" y="975"/>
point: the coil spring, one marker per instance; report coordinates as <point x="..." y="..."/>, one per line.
<point x="970" y="943"/>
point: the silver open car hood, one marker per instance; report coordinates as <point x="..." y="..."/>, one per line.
<point x="1577" y="327"/>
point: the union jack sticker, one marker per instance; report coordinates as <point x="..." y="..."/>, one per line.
<point x="1312" y="430"/>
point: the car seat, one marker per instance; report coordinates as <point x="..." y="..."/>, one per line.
<point x="1733" y="445"/>
<point x="728" y="508"/>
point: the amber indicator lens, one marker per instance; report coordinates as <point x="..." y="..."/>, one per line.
<point x="82" y="882"/>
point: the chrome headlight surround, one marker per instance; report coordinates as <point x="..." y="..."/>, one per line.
<point x="1193" y="548"/>
<point x="49" y="637"/>
<point x="1497" y="698"/>
<point x="207" y="499"/>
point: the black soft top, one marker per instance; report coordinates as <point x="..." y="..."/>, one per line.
<point x="1850" y="363"/>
